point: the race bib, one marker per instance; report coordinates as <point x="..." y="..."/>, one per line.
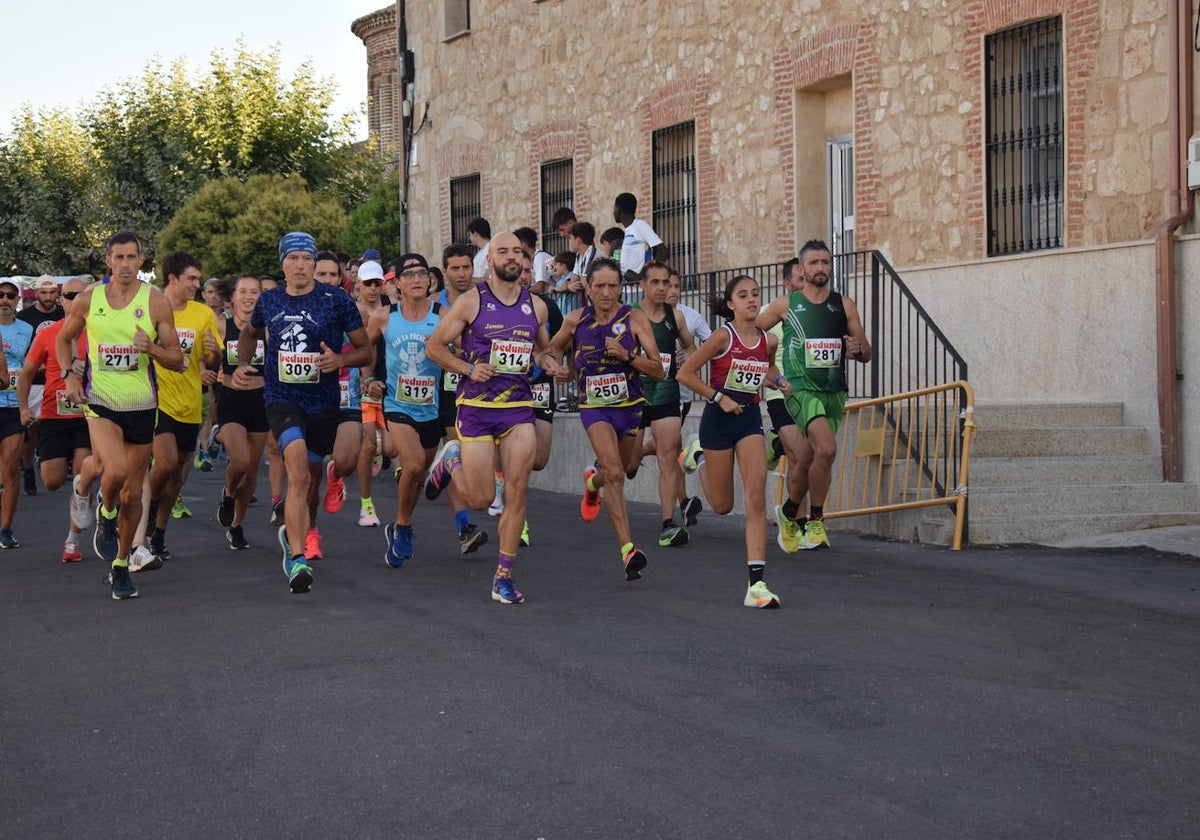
<point x="299" y="368"/>
<point x="117" y="358"/>
<point x="67" y="408"/>
<point x="666" y="359"/>
<point x="187" y="339"/>
<point x="231" y="353"/>
<point x="606" y="388"/>
<point x="511" y="356"/>
<point x="745" y="375"/>
<point x="541" y="395"/>
<point x="416" y="390"/>
<point x="344" y="393"/>
<point x="12" y="380"/>
<point x="450" y="381"/>
<point x="822" y="352"/>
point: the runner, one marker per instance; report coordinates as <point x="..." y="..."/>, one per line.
<point x="303" y="323"/>
<point x="614" y="348"/>
<point x="46" y="310"/>
<point x="129" y="325"/>
<point x="500" y="326"/>
<point x="180" y="395"/>
<point x="740" y="357"/>
<point x="243" y="415"/>
<point x="64" y="435"/>
<point x="370" y="455"/>
<point x="16" y="336"/>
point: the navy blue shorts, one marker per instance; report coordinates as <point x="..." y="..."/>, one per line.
<point x="719" y="430"/>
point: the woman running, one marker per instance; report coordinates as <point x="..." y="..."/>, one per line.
<point x="740" y="357"/>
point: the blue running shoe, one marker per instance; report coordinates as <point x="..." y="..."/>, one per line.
<point x="121" y="586"/>
<point x="506" y="592"/>
<point x="400" y="547"/>
<point x="299" y="573"/>
<point x="104" y="541"/>
<point x="7" y="540"/>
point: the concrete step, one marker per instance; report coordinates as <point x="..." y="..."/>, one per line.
<point x="1096" y="469"/>
<point x="1020" y="501"/>
<point x="1056" y="442"/>
<point x="1048" y="415"/>
<point x="1049" y="529"/>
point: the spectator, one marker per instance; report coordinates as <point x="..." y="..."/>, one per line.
<point x="641" y="242"/>
<point x="561" y="221"/>
<point x="582" y="242"/>
<point x="610" y="244"/>
<point x="566" y="285"/>
<point x="539" y="260"/>
<point x="479" y="231"/>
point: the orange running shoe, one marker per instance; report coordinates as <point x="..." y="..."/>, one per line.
<point x="589" y="508"/>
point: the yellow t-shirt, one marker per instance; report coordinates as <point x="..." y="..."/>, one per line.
<point x="179" y="394"/>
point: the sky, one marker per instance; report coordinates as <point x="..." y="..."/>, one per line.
<point x="68" y="52"/>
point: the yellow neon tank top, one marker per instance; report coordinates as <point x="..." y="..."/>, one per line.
<point x="118" y="377"/>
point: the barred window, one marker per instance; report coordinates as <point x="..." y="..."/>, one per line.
<point x="557" y="190"/>
<point x="1025" y="138"/>
<point x="674" y="197"/>
<point x="465" y="205"/>
<point x="458" y="17"/>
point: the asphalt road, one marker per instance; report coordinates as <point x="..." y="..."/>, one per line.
<point x="902" y="691"/>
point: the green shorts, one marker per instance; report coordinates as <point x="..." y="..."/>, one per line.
<point x="806" y="406"/>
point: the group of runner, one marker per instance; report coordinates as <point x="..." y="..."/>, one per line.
<point x="461" y="385"/>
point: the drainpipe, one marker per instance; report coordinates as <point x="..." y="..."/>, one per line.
<point x="1179" y="129"/>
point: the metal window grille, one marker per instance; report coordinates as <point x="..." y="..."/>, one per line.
<point x="465" y="205"/>
<point x="674" y="197"/>
<point x="557" y="190"/>
<point x="458" y="17"/>
<point x="1025" y="138"/>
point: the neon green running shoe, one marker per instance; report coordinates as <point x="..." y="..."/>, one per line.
<point x="790" y="531"/>
<point x="180" y="510"/>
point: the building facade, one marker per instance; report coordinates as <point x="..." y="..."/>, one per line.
<point x="378" y="34"/>
<point x="1009" y="157"/>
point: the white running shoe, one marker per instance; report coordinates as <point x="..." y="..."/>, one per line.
<point x="81" y="507"/>
<point x="142" y="560"/>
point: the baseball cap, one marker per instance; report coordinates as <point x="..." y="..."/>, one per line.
<point x="7" y="282"/>
<point x="370" y="270"/>
<point x="371" y="254"/>
<point x="404" y="261"/>
<point x="45" y="282"/>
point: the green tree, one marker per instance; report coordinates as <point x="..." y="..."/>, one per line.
<point x="376" y="222"/>
<point x="234" y="226"/>
<point x="48" y="189"/>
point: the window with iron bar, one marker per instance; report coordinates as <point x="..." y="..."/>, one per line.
<point x="1024" y="138"/>
<point x="557" y="190"/>
<point x="674" y="194"/>
<point x="465" y="204"/>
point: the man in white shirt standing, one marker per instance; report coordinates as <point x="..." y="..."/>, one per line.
<point x="641" y="242"/>
<point x="479" y="231"/>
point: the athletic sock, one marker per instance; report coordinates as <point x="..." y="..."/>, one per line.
<point x="108" y="513"/>
<point x="461" y="520"/>
<point x="816" y="512"/>
<point x="791" y="509"/>
<point x="667" y="522"/>
<point x="504" y="565"/>
<point x="152" y="517"/>
<point x="625" y="549"/>
<point x="590" y="484"/>
<point x="121" y="563"/>
<point x="756" y="568"/>
<point x="366" y="502"/>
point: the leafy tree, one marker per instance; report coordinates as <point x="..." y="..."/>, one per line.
<point x="48" y="189"/>
<point x="234" y="226"/>
<point x="376" y="222"/>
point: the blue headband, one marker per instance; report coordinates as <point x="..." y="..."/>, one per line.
<point x="296" y="241"/>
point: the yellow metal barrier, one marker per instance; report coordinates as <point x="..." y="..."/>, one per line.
<point x="903" y="452"/>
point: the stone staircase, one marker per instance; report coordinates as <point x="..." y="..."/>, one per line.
<point x="1043" y="473"/>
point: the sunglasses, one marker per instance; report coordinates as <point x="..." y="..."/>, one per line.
<point x="414" y="273"/>
<point x="371" y="282"/>
<point x="70" y="295"/>
<point x="10" y="295"/>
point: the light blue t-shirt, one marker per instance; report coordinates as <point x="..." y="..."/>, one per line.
<point x="17" y="337"/>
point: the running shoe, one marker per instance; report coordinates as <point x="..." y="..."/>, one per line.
<point x="299" y="575"/>
<point x="179" y="510"/>
<point x="790" y="531"/>
<point x="470" y="538"/>
<point x="367" y="517"/>
<point x="277" y="513"/>
<point x="757" y="595"/>
<point x="158" y="546"/>
<point x="81" y="508"/>
<point x="497" y="506"/>
<point x="225" y="508"/>
<point x="690" y="510"/>
<point x="633" y="562"/>
<point x="143" y="560"/>
<point x="400" y="545"/>
<point x="212" y="447"/>
<point x="440" y="476"/>
<point x="30" y="480"/>
<point x="335" y="489"/>
<point x="506" y="592"/>
<point x="71" y="552"/>
<point x="814" y="534"/>
<point x="122" y="586"/>
<point x="672" y="535"/>
<point x="104" y="541"/>
<point x="283" y="543"/>
<point x="237" y="539"/>
<point x="312" y="545"/>
<point x="525" y="534"/>
<point x="687" y="458"/>
<point x="7" y="540"/>
<point x="202" y="461"/>
<point x="396" y="473"/>
<point x="589" y="508"/>
<point x="773" y="450"/>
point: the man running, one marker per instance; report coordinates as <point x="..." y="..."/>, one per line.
<point x="16" y="336"/>
<point x="821" y="329"/>
<point x="499" y="327"/>
<point x="304" y="322"/>
<point x="46" y="310"/>
<point x="129" y="326"/>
